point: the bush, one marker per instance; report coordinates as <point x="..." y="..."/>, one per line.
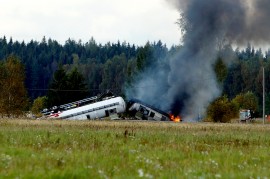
<point x="247" y="101"/>
<point x="38" y="105"/>
<point x="222" y="110"/>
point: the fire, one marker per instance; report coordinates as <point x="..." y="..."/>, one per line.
<point x="175" y="118"/>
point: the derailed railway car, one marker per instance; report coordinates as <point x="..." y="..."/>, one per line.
<point x="144" y="111"/>
<point x="105" y="105"/>
<point x="87" y="109"/>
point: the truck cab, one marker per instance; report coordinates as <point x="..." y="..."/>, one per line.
<point x="245" y="115"/>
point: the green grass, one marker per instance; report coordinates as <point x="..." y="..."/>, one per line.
<point x="121" y="149"/>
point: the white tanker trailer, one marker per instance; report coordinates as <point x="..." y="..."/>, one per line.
<point x="87" y="109"/>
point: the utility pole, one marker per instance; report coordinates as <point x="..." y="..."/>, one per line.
<point x="263" y="97"/>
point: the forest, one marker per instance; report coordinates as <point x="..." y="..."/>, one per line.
<point x="74" y="70"/>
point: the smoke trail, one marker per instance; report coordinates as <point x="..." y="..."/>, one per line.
<point x="191" y="83"/>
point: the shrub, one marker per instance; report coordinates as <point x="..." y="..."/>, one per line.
<point x="222" y="110"/>
<point x="38" y="105"/>
<point x="247" y="101"/>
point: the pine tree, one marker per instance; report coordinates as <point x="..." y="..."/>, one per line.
<point x="57" y="94"/>
<point x="76" y="85"/>
<point x="66" y="88"/>
<point x="220" y="70"/>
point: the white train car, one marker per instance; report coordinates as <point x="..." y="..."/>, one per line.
<point x="95" y="110"/>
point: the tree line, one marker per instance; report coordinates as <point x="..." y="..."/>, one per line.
<point x="68" y="72"/>
<point x="64" y="73"/>
<point x="96" y="62"/>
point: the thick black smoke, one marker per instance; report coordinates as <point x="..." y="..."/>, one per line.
<point x="190" y="84"/>
<point x="241" y="21"/>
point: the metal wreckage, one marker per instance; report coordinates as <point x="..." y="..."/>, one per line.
<point x="107" y="105"/>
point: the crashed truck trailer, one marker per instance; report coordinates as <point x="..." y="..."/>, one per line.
<point x="87" y="109"/>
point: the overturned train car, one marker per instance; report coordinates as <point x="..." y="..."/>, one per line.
<point x="98" y="107"/>
<point x="144" y="111"/>
<point x="88" y="109"/>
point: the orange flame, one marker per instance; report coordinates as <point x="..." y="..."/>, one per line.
<point x="175" y="118"/>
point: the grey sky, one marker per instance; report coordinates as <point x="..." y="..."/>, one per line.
<point x="133" y="21"/>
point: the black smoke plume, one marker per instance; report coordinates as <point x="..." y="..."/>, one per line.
<point x="239" y="21"/>
<point x="190" y="84"/>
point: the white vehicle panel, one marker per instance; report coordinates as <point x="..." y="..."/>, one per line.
<point x="94" y="110"/>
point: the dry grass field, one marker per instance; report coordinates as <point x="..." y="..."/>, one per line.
<point x="132" y="149"/>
